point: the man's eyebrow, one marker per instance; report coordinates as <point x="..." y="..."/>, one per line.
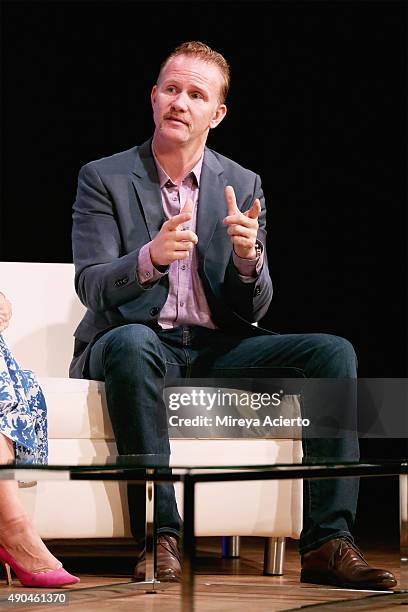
<point x="199" y="88"/>
<point x="175" y="81"/>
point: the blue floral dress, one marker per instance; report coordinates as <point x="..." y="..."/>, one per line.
<point x="23" y="412"/>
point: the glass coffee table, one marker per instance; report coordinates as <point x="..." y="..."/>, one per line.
<point x="150" y="469"/>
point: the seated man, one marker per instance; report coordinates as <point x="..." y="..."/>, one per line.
<point x="169" y="249"/>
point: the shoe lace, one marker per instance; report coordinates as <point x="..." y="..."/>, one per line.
<point x="170" y="546"/>
<point x="344" y="545"/>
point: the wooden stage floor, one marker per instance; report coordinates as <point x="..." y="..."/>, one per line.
<point x="223" y="585"/>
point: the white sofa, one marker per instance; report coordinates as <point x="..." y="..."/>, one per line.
<point x="46" y="311"/>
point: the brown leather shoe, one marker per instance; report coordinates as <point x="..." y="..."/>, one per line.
<point x="168" y="560"/>
<point x="340" y="563"/>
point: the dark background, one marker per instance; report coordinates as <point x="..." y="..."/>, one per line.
<point x="317" y="107"/>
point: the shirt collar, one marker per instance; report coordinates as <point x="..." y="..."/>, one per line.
<point x="164" y="177"/>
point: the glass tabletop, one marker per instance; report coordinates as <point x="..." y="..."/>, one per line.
<point x="160" y="464"/>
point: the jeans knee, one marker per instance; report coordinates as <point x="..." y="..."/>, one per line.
<point x="339" y="351"/>
<point x="344" y="346"/>
<point x="133" y="341"/>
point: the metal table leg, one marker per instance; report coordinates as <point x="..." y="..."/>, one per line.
<point x="188" y="580"/>
<point x="274" y="556"/>
<point x="230" y="547"/>
<point x="150" y="535"/>
<point x="403" y="482"/>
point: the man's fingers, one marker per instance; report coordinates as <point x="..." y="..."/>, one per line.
<point x="254" y="211"/>
<point x="185" y="245"/>
<point x="188" y="206"/>
<point x="241" y="219"/>
<point x="235" y="215"/>
<point x="174" y="222"/>
<point x="177" y="255"/>
<point x="184" y="215"/>
<point x="186" y="235"/>
<point x="240" y="230"/>
<point x="231" y="200"/>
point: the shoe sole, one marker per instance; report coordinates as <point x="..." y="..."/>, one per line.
<point x="318" y="578"/>
<point x="159" y="578"/>
<point x="167" y="578"/>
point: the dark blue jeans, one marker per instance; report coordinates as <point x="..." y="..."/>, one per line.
<point x="134" y="362"/>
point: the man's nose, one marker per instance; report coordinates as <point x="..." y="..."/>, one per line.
<point x="179" y="102"/>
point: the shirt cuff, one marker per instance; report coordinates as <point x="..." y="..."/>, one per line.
<point x="146" y="272"/>
<point x="248" y="269"/>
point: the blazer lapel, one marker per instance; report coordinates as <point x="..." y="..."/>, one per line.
<point x="211" y="208"/>
<point x="146" y="183"/>
<point x="211" y="204"/>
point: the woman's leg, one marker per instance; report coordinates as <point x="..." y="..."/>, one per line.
<point x="17" y="534"/>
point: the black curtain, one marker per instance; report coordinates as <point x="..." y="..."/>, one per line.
<point x="317" y="107"/>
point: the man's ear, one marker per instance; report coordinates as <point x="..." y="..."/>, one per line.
<point x="218" y="116"/>
<point x="153" y="94"/>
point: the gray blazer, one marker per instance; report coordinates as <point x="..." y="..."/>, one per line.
<point x="118" y="209"/>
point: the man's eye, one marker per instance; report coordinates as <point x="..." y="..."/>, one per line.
<point x="196" y="95"/>
<point x="171" y="89"/>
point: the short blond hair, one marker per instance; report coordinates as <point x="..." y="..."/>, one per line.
<point x="204" y="52"/>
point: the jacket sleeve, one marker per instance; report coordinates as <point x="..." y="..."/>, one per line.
<point x="251" y="300"/>
<point x="105" y="278"/>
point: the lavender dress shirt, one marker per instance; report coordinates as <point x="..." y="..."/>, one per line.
<point x="186" y="303"/>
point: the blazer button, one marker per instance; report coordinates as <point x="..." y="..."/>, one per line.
<point x="154" y="311"/>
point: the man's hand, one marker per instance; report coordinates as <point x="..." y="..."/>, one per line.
<point x="242" y="227"/>
<point x="172" y="242"/>
<point x="5" y="312"/>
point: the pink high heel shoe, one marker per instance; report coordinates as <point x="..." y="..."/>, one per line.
<point x="54" y="578"/>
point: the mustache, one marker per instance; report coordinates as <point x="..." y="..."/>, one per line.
<point x="175" y="117"/>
